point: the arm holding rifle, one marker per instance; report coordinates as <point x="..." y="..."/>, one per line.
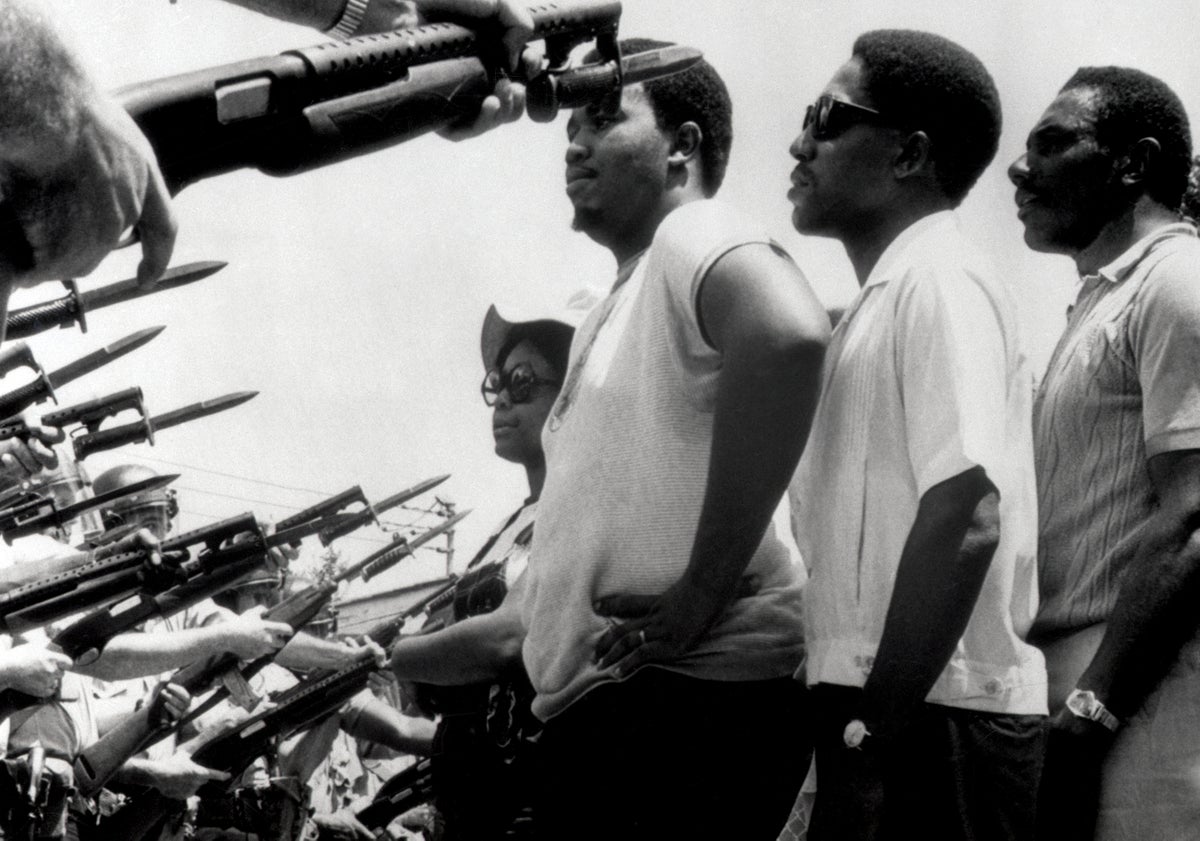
<point x="75" y="172"/>
<point x="32" y="669"/>
<point x="137" y="654"/>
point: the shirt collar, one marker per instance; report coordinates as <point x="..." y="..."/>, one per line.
<point x="1119" y="269"/>
<point x="882" y="272"/>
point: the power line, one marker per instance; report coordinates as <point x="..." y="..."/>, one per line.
<point x="230" y="475"/>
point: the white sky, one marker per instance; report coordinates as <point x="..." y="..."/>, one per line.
<point x="354" y="295"/>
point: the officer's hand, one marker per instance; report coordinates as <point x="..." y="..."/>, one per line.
<point x="168" y="703"/>
<point x="73" y="191"/>
<point x="32" y="669"/>
<point x="342" y="826"/>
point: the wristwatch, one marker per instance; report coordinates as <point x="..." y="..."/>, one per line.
<point x="1085" y="704"/>
<point x="349" y="20"/>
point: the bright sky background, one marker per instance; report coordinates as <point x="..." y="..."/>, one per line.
<point x="354" y="295"/>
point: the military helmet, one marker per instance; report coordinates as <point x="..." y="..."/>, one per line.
<point x="153" y="509"/>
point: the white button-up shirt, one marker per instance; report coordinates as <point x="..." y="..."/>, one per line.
<point x="924" y="379"/>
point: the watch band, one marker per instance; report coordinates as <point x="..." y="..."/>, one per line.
<point x="351" y="18"/>
<point x="1085" y="704"/>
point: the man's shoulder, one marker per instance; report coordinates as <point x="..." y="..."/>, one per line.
<point x="707" y="223"/>
<point x="1172" y="279"/>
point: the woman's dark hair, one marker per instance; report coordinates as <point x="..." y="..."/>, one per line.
<point x="552" y="339"/>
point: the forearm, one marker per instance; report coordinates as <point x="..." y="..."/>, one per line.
<point x="138" y="654"/>
<point x="942" y="568"/>
<point x="305" y="652"/>
<point x="43" y="91"/>
<point x="1155" y="615"/>
<point x="477" y="649"/>
<point x="378" y="722"/>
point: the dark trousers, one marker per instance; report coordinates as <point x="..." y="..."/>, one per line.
<point x="951" y="775"/>
<point x="662" y="756"/>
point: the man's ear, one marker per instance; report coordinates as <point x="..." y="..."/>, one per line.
<point x="913" y="155"/>
<point x="1134" y="168"/>
<point x="685" y="145"/>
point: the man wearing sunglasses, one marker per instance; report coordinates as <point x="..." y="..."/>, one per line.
<point x="662" y="604"/>
<point x="1117" y="438"/>
<point x="914" y="506"/>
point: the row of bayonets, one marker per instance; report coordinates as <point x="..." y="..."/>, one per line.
<point x="24" y="512"/>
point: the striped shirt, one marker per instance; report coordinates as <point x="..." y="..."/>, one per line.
<point x="1123" y="385"/>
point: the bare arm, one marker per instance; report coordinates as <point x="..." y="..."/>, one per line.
<point x="942" y="568"/>
<point x="759" y="312"/>
<point x="381" y="723"/>
<point x="477" y="649"/>
<point x="1155" y="613"/>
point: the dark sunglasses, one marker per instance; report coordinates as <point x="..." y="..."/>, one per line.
<point x="519" y="381"/>
<point x="829" y="117"/>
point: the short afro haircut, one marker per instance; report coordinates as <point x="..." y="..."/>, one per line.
<point x="1131" y="105"/>
<point x="695" y="95"/>
<point x="927" y="83"/>
<point x="1189" y="207"/>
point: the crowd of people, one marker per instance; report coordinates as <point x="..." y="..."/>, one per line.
<point x="881" y="561"/>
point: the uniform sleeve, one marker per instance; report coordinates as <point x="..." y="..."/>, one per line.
<point x="950" y="352"/>
<point x="1165" y="332"/>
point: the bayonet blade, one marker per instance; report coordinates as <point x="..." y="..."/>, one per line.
<point x="408" y="493"/>
<point x="202" y="409"/>
<point x="69" y="512"/>
<point x="128" y="290"/>
<point x="654" y="64"/>
<point x="99" y="358"/>
<point x="441" y="528"/>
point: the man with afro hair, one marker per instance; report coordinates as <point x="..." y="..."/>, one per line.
<point x="915" y="505"/>
<point x="1117" y="442"/>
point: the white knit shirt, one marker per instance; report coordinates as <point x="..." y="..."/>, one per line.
<point x="627" y="454"/>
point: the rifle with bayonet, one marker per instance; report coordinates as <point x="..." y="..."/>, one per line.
<point x="43" y="388"/>
<point x="209" y="573"/>
<point x="308" y="108"/>
<point x="371" y="512"/>
<point x="25" y="512"/>
<point x="135" y="432"/>
<point x="233" y="747"/>
<point x="140" y="730"/>
<point x="111" y="576"/>
<point x="72" y="307"/>
<point x="90" y="414"/>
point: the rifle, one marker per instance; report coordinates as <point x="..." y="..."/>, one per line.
<point x="234" y="747"/>
<point x="403" y="791"/>
<point x="370" y="514"/>
<point x="24" y="512"/>
<point x="212" y="572"/>
<point x="100" y="760"/>
<point x="311" y="107"/>
<point x="90" y="413"/>
<point x="43" y="388"/>
<point x="106" y="578"/>
<point x="96" y="441"/>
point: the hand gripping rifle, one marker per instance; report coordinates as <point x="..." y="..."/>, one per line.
<point x="96" y="764"/>
<point x="211" y="572"/>
<point x="232" y="748"/>
<point x="308" y="108"/>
